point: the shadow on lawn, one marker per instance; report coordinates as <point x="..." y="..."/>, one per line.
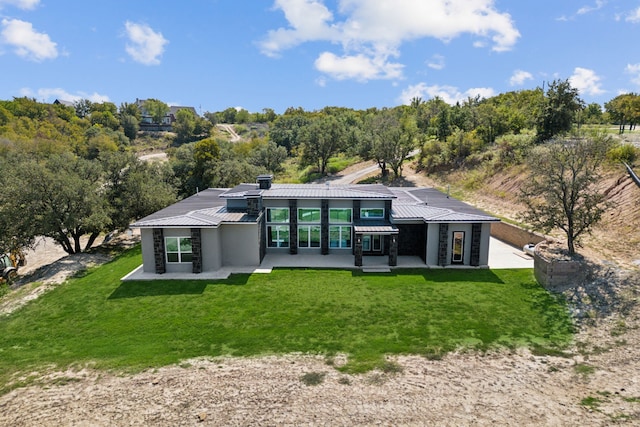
<point x="439" y="275"/>
<point x="151" y="288"/>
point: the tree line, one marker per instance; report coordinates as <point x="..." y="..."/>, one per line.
<point x="72" y="172"/>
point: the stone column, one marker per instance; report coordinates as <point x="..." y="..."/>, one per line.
<point x="293" y="226"/>
<point x="324" y="227"/>
<point x="443" y="243"/>
<point x="476" y="234"/>
<point x="393" y="250"/>
<point x="358" y="250"/>
<point x="158" y="251"/>
<point x="196" y="250"/>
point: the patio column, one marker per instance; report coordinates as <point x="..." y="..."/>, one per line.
<point x="358" y="250"/>
<point x="196" y="250"/>
<point x="443" y="244"/>
<point x="476" y="233"/>
<point x="158" y="250"/>
<point x="324" y="227"/>
<point x="293" y="226"/>
<point x="393" y="250"/>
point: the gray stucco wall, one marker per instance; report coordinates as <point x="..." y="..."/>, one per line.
<point x="240" y="244"/>
<point x="148" y="262"/>
<point x="432" y="243"/>
<point x="211" y="249"/>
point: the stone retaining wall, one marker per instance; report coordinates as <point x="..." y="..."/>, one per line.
<point x="556" y="273"/>
<point x="514" y="235"/>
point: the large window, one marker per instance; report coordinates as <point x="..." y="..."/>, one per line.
<point x="278" y="236"/>
<point x="309" y="215"/>
<point x="339" y="216"/>
<point x="178" y="249"/>
<point x="372" y="213"/>
<point x="457" y="254"/>
<point x="339" y="236"/>
<point x="277" y="214"/>
<point x="309" y="236"/>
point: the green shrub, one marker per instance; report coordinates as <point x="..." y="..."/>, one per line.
<point x="623" y="153"/>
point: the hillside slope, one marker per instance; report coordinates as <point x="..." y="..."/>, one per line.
<point x="615" y="239"/>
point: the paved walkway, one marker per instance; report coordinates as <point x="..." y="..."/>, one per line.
<point x="501" y="255"/>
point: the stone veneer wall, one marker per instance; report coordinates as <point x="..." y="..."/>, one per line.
<point x="158" y="251"/>
<point x="443" y="243"/>
<point x="324" y="227"/>
<point x="293" y="226"/>
<point x="476" y="234"/>
<point x="196" y="250"/>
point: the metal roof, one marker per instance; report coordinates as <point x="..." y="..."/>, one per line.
<point x="208" y="208"/>
<point x="312" y="191"/>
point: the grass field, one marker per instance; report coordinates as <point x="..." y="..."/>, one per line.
<point x="131" y="326"/>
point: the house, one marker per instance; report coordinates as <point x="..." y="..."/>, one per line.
<point x="237" y="227"/>
<point x="146" y="119"/>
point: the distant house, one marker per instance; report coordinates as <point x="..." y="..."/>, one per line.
<point x="65" y="103"/>
<point x="147" y="123"/>
<point x="219" y="228"/>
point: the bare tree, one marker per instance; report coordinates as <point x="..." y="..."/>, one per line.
<point x="561" y="192"/>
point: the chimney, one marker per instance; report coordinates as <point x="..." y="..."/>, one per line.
<point x="264" y="181"/>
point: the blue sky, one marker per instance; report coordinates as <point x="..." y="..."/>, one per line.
<point x="215" y="54"/>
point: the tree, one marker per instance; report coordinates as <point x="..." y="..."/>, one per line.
<point x="134" y="188"/>
<point x="130" y="126"/>
<point x="63" y="198"/>
<point x="624" y="109"/>
<point x="559" y="108"/>
<point x="320" y="140"/>
<point x="388" y="138"/>
<point x="156" y="109"/>
<point x="286" y="129"/>
<point x="184" y="125"/>
<point x="561" y="191"/>
<point x="83" y="108"/>
<point x="269" y="156"/>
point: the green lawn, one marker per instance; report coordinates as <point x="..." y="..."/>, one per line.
<point x="135" y="325"/>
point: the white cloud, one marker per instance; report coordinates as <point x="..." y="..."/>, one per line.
<point x="587" y="9"/>
<point x="586" y="81"/>
<point x="21" y="4"/>
<point x="634" y="16"/>
<point x="358" y="67"/>
<point x="436" y="62"/>
<point x="376" y="29"/>
<point x="145" y="45"/>
<point x="634" y="70"/>
<point x="27" y="42"/>
<point x="448" y="94"/>
<point x="519" y="77"/>
<point x="51" y="94"/>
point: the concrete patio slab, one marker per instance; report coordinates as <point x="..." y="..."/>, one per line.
<point x="501" y="255"/>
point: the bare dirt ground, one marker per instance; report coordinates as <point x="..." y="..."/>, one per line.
<point x="596" y="383"/>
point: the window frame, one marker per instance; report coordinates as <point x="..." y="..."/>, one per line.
<point x="363" y="210"/>
<point x="313" y="211"/>
<point x="270" y="216"/>
<point x="455" y="257"/>
<point x="309" y="232"/>
<point x="279" y="242"/>
<point x="337" y="221"/>
<point x="181" y="255"/>
<point x="341" y="233"/>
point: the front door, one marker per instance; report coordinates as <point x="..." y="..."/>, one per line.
<point x="372" y="244"/>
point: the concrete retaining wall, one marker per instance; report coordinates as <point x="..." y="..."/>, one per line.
<point x="514" y="235"/>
